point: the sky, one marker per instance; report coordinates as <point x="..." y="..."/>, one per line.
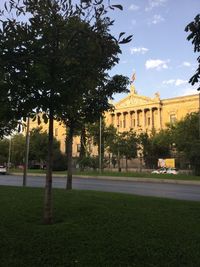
<point x="160" y="54"/>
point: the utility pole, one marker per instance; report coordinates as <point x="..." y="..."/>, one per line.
<point x="26" y="152"/>
<point x="100" y="142"/>
<point x="9" y="153"/>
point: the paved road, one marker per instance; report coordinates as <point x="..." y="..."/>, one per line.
<point x="176" y="191"/>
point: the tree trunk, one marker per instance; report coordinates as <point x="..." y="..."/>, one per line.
<point x="26" y="152"/>
<point x="48" y="186"/>
<point x="69" y="158"/>
<point x="118" y="163"/>
<point x="83" y="144"/>
<point x="126" y="164"/>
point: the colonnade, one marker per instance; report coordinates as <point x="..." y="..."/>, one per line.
<point x="143" y="119"/>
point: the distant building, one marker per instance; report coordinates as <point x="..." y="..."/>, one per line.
<point x="142" y="114"/>
<point x="136" y="112"/>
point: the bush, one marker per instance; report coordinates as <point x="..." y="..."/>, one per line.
<point x="59" y="161"/>
<point x="89" y="162"/>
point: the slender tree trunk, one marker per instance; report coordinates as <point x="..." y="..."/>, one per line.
<point x="26" y="152"/>
<point x="118" y="161"/>
<point x="48" y="186"/>
<point x="69" y="158"/>
<point x="83" y="147"/>
<point x="126" y="164"/>
<point x="83" y="143"/>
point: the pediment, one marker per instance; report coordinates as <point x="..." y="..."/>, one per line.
<point x="134" y="100"/>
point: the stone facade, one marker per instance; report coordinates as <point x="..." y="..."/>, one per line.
<point x="142" y="114"/>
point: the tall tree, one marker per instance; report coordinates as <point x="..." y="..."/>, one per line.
<point x="93" y="104"/>
<point x="122" y="145"/>
<point x="155" y="146"/>
<point x="46" y="55"/>
<point x="4" y="151"/>
<point x="185" y="136"/>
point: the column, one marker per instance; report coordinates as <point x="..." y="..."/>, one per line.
<point x="143" y="120"/>
<point x="151" y="118"/>
<point x="136" y="119"/>
<point x="124" y="121"/>
<point x="159" y="119"/>
<point x="130" y="118"/>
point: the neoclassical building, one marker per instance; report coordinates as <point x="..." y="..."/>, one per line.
<point x="142" y="114"/>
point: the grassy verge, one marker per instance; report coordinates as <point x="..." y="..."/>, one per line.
<point x="96" y="229"/>
<point x="122" y="174"/>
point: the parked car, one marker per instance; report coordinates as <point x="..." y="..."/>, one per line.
<point x="161" y="170"/>
<point x="166" y="170"/>
<point x="3" y="169"/>
<point x="172" y="171"/>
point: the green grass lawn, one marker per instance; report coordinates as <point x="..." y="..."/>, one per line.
<point x="97" y="229"/>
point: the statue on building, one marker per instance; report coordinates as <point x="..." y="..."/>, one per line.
<point x="157" y="96"/>
<point x="132" y="87"/>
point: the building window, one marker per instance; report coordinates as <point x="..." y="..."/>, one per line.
<point x="78" y="147"/>
<point x="172" y="118"/>
<point x="148" y="121"/>
<point x="133" y="122"/>
<point x="56" y="132"/>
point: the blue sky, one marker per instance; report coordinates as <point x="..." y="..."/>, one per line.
<point x="159" y="53"/>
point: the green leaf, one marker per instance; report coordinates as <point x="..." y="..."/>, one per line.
<point x="118" y="6"/>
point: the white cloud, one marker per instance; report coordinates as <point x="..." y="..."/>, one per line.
<point x="176" y="82"/>
<point x="134" y="7"/>
<point x="156" y="19"/>
<point x="186" y="64"/>
<point x="157" y="64"/>
<point x="139" y="50"/>
<point x="189" y="91"/>
<point x="169" y="81"/>
<point x="180" y="82"/>
<point x="155" y="3"/>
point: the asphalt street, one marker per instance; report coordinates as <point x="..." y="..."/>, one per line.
<point x="167" y="190"/>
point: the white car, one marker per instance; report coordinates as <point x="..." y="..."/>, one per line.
<point x="3" y="170"/>
<point x="172" y="171"/>
<point x="161" y="170"/>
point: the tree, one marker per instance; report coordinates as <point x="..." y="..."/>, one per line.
<point x="155" y="146"/>
<point x="4" y="150"/>
<point x="8" y="120"/>
<point x="17" y="149"/>
<point x="38" y="150"/>
<point x="128" y="146"/>
<point x="185" y="136"/>
<point x="194" y="36"/>
<point x="99" y="87"/>
<point x="46" y="56"/>
<point x="122" y="145"/>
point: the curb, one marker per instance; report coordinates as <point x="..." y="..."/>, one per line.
<point x="118" y="178"/>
